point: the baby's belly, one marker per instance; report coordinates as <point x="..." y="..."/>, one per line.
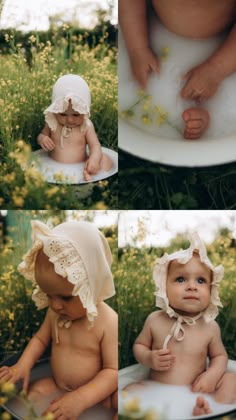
<point x="191" y="21"/>
<point x="73" y="370"/>
<point x="69" y="154"/>
<point x="183" y="372"/>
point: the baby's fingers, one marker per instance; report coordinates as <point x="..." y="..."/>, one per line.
<point x="167" y="358"/>
<point x="49" y="144"/>
<point x="6" y="373"/>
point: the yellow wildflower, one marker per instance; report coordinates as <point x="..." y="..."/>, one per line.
<point x="17" y="200"/>
<point x="3" y="400"/>
<point x="49" y="416"/>
<point x="165" y="53"/>
<point x="32" y="39"/>
<point x="146" y="119"/>
<point x="7" y="388"/>
<point x="5" y="416"/>
<point x="52" y="191"/>
<point x="132" y="405"/>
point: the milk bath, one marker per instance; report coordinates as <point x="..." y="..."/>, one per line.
<point x="177" y="55"/>
<point x="170" y="402"/>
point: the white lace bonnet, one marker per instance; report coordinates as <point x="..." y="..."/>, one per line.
<point x="160" y="276"/>
<point x="79" y="252"/>
<point x="69" y="87"/>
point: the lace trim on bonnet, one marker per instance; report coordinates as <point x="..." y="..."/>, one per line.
<point x="62" y="252"/>
<point x="69" y="87"/>
<point x="160" y="276"/>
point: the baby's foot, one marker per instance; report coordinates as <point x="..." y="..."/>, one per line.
<point x="196" y="122"/>
<point x="201" y="407"/>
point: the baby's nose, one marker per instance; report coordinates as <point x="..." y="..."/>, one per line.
<point x="69" y="119"/>
<point x="191" y="284"/>
<point x="56" y="304"/>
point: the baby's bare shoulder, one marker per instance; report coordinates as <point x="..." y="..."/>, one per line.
<point x="156" y="316"/>
<point x="107" y="317"/>
<point x="213" y="327"/>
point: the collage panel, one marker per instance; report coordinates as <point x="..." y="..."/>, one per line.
<point x="58" y="307"/>
<point x="58" y="104"/>
<point x="176" y="105"/>
<point x="177" y="309"/>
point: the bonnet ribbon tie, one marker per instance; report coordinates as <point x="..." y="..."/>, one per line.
<point x="61" y="322"/>
<point x="65" y="133"/>
<point x="177" y="330"/>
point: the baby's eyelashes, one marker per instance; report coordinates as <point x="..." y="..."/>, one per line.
<point x="180" y="279"/>
<point x="65" y="298"/>
<point x="199" y="280"/>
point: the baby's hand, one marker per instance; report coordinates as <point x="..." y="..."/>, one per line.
<point x="92" y="165"/>
<point x="201" y="82"/>
<point x="64" y="408"/>
<point x="204" y="383"/>
<point x="46" y="142"/>
<point x="162" y="359"/>
<point x="143" y="62"/>
<point x="15" y="373"/>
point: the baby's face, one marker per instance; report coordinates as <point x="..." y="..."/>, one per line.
<point x="57" y="289"/>
<point x="70" y="118"/>
<point x="189" y="286"/>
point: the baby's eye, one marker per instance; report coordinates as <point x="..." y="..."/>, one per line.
<point x="62" y="115"/>
<point x="180" y="279"/>
<point x="66" y="298"/>
<point x="201" y="280"/>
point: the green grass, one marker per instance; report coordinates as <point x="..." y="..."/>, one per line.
<point x="146" y="185"/>
<point x="26" y="92"/>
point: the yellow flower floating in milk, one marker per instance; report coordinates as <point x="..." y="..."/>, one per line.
<point x="146" y="111"/>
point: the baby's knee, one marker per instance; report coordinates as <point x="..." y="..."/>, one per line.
<point x="226" y="389"/>
<point x="105" y="163"/>
<point x="114" y="400"/>
<point x="111" y="401"/>
<point x="42" y="387"/>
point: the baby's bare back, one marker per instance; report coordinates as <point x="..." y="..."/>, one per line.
<point x="190" y="354"/>
<point x="196" y="18"/>
<point x="74" y="150"/>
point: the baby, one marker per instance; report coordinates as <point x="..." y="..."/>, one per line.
<point x="69" y="130"/>
<point x="71" y="266"/>
<point x="176" y="351"/>
<point x="191" y="19"/>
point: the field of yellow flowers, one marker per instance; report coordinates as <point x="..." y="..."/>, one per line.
<point x="26" y="92"/>
<point x="136" y="298"/>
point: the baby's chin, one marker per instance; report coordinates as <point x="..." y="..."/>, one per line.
<point x="190" y="313"/>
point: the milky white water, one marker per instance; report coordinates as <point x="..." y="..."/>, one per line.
<point x="183" y="54"/>
<point x="172" y="402"/>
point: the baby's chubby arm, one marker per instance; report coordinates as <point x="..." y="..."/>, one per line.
<point x="72" y="404"/>
<point x="133" y="22"/>
<point x="44" y="139"/>
<point x="208" y="380"/>
<point x="92" y="165"/>
<point x="159" y="360"/>
<point x="34" y="349"/>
